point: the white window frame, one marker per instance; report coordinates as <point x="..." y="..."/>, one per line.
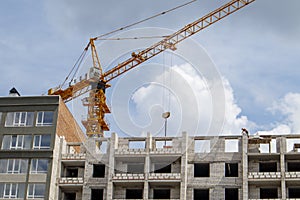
<point x="19" y="118"/>
<point x="40" y="142"/>
<point x="35" y="165"/>
<point x="31" y="193"/>
<point x="15" y="165"/>
<point x="12" y="191"/>
<point x="19" y="139"/>
<point x="40" y="122"/>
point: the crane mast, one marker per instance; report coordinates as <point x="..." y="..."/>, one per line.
<point x="96" y="82"/>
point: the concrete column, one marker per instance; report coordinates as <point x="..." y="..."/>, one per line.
<point x="147" y="165"/>
<point x="184" y="162"/>
<point x="282" y="167"/>
<point x="113" y="144"/>
<point x="245" y="166"/>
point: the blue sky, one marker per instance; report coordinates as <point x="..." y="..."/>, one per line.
<point x="256" y="50"/>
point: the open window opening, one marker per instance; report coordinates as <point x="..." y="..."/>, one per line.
<point x="294" y="193"/>
<point x="293" y="166"/>
<point x="268" y="193"/>
<point x="134" y="193"/>
<point x="70" y="196"/>
<point x="231" y="145"/>
<point x="97" y="194"/>
<point x="159" y="144"/>
<point x="162" y="168"/>
<point x="202" y="194"/>
<point x="201" y="170"/>
<point x="231" y="194"/>
<point x="99" y="170"/>
<point x="72" y="172"/>
<point x="137" y="144"/>
<point x="161" y="194"/>
<point x="268" y="167"/>
<point x="231" y="169"/>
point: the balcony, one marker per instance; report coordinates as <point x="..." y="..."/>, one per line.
<point x="64" y="181"/>
<point x="166" y="150"/>
<point x="130" y="151"/>
<point x="128" y="176"/>
<point x="264" y="175"/>
<point x="164" y="176"/>
<point x="292" y="175"/>
<point x="76" y="156"/>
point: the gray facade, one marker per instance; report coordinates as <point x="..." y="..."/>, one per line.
<point x="30" y="136"/>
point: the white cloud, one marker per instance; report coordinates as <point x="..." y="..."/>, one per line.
<point x="233" y="121"/>
<point x="195" y="102"/>
<point x="289" y="106"/>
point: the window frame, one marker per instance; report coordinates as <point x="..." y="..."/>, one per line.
<point x="39" y="146"/>
<point x="35" y="170"/>
<point x="16" y="142"/>
<point x="31" y="192"/>
<point x="10" y="195"/>
<point x="40" y="122"/>
<point x="19" y="119"/>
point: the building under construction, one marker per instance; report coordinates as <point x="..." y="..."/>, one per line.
<point x="44" y="155"/>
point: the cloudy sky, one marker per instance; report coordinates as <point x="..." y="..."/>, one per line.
<point x="254" y="51"/>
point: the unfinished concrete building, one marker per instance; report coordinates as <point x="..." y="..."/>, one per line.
<point x="208" y="167"/>
<point x="44" y="155"/>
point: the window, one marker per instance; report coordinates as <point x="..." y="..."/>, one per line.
<point x="231" y="194"/>
<point x="159" y="144"/>
<point x="41" y="142"/>
<point x="19" y="119"/>
<point x="231" y="145"/>
<point x="15" y="142"/>
<point x="12" y="190"/>
<point x="202" y="194"/>
<point x="137" y="144"/>
<point x="44" y="118"/>
<point x="39" y="166"/>
<point x="294" y="192"/>
<point x="103" y="147"/>
<point x="70" y="196"/>
<point x="36" y="191"/>
<point x="268" y="167"/>
<point x="162" y="168"/>
<point x="161" y="194"/>
<point x="202" y="146"/>
<point x="97" y="194"/>
<point x="13" y="166"/>
<point x="72" y="172"/>
<point x="99" y="171"/>
<point x="268" y="193"/>
<point x="201" y="170"/>
<point x="293" y="166"/>
<point x="231" y="169"/>
<point x="134" y="193"/>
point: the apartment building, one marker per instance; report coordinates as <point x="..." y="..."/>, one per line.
<point x="31" y="131"/>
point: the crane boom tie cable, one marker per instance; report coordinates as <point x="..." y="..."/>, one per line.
<point x="143" y="20"/>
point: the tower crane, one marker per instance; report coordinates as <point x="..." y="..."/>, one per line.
<point x="96" y="81"/>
